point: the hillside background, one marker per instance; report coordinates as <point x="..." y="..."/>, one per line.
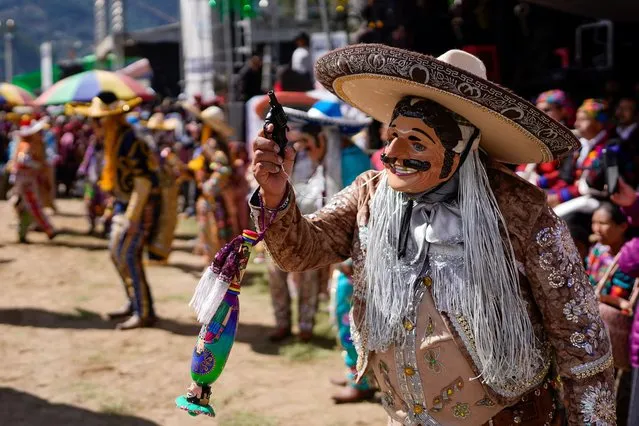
<point x="69" y="25"/>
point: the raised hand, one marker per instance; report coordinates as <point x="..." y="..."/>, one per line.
<point x="270" y="170"/>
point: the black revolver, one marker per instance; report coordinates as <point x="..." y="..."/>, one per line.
<point x="277" y="117"/>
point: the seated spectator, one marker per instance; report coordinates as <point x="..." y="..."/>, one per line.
<point x="585" y="177"/>
<point x="610" y="227"/>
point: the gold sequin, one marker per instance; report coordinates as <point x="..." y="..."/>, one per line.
<point x="428" y="281"/>
<point x="408" y="325"/>
<point x="418" y="409"/>
<point x="409" y="371"/>
<point x="461" y="410"/>
<point x="485" y="402"/>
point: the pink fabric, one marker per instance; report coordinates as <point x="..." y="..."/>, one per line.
<point x="66" y="145"/>
<point x="376" y="159"/>
<point x="629" y="264"/>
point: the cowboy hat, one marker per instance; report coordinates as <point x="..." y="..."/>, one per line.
<point x="373" y="78"/>
<point x="103" y="105"/>
<point x="158" y="122"/>
<point x="330" y="113"/>
<point x="212" y="116"/>
<point x="30" y="126"/>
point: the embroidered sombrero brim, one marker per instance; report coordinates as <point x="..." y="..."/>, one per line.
<point x="373" y="78"/>
<point x="346" y="125"/>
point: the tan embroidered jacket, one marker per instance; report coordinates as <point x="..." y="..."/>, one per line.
<point x="560" y="300"/>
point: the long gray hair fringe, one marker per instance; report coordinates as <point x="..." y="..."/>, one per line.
<point x="483" y="287"/>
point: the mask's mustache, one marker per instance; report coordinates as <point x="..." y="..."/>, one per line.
<point x="422" y="166"/>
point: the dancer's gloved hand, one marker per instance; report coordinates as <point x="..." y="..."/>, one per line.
<point x="270" y="170"/>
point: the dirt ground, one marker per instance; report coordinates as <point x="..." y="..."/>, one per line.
<point x="62" y="364"/>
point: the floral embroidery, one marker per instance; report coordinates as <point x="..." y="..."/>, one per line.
<point x="560" y="257"/>
<point x="432" y="360"/>
<point x="589" y="338"/>
<point x="446" y="394"/>
<point x="461" y="411"/>
<point x="573" y="310"/>
<point x="598" y="406"/>
<point x="485" y="402"/>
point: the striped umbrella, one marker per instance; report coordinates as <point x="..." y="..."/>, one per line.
<point x="13" y="95"/>
<point x="85" y="86"/>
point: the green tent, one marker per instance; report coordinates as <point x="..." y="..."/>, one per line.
<point x="32" y="81"/>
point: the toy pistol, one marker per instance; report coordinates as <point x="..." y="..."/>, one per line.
<point x="277" y="117"/>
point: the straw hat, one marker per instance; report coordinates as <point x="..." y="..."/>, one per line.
<point x="30" y="126"/>
<point x="103" y="105"/>
<point x="158" y="122"/>
<point x="373" y="78"/>
<point x="212" y="116"/>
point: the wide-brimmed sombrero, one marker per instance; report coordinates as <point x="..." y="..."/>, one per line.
<point x="331" y="114"/>
<point x="212" y="116"/>
<point x="373" y="78"/>
<point x="103" y="105"/>
<point x="30" y="126"/>
<point x="159" y="122"/>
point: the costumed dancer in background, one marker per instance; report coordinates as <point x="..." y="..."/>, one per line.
<point x="28" y="167"/>
<point x="432" y="312"/>
<point x="163" y="133"/>
<point x="327" y="161"/>
<point x="130" y="173"/>
<point x="240" y="166"/>
<point x="215" y="208"/>
<point x="90" y="169"/>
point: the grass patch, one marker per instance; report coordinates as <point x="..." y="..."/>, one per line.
<point x="246" y="418"/>
<point x="82" y="298"/>
<point x="97" y="358"/>
<point x="118" y="408"/>
<point x="303" y="352"/>
<point x="187" y="227"/>
<point x="84" y="390"/>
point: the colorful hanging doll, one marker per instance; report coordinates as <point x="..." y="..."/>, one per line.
<point x="218" y="307"/>
<point x="216" y="299"/>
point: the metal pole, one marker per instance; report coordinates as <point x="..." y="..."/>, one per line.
<point x="117" y="32"/>
<point x="275" y="22"/>
<point x="46" y="65"/>
<point x="323" y="8"/>
<point x="228" y="50"/>
<point x="301" y="10"/>
<point x="8" y="49"/>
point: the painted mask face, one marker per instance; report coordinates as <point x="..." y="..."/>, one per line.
<point x="425" y="143"/>
<point x="310" y="141"/>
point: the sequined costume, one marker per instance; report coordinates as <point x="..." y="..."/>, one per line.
<point x="215" y="208"/>
<point x="28" y="166"/>
<point x="95" y="199"/>
<point x="553" y="284"/>
<point x="136" y="209"/>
